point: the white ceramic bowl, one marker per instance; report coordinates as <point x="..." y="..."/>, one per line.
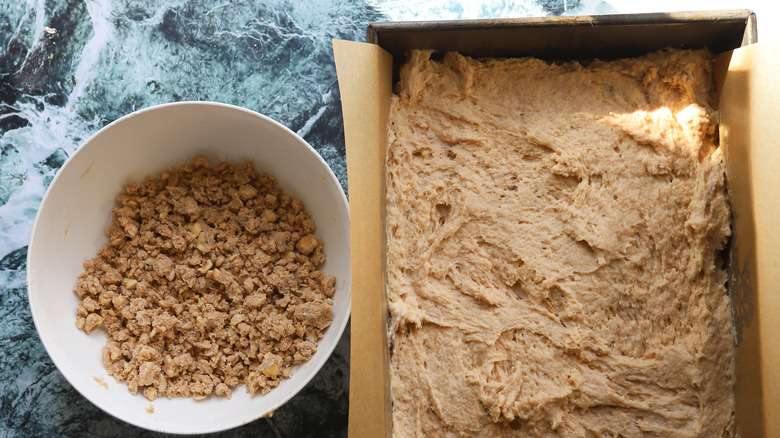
<point x="69" y="229"/>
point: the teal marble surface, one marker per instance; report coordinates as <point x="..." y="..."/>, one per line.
<point x="68" y="68"/>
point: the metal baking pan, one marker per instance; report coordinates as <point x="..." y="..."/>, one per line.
<point x="569" y="38"/>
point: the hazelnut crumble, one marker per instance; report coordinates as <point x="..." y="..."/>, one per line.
<point x="208" y="281"/>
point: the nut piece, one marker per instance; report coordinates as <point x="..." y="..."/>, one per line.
<point x="307" y="244"/>
<point x="205" y="268"/>
<point x="130" y="283"/>
<point x="269" y="216"/>
<point x="237" y="319"/>
<point x="271" y="370"/>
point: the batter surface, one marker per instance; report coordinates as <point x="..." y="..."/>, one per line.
<point x="553" y="249"/>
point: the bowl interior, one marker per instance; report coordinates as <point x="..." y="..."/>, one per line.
<point x="76" y="210"/>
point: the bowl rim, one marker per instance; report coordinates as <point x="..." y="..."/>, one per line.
<point x="46" y="344"/>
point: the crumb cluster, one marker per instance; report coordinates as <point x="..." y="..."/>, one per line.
<point x="208" y="281"/>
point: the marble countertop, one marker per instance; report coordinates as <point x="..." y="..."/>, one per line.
<point x="68" y="68"/>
